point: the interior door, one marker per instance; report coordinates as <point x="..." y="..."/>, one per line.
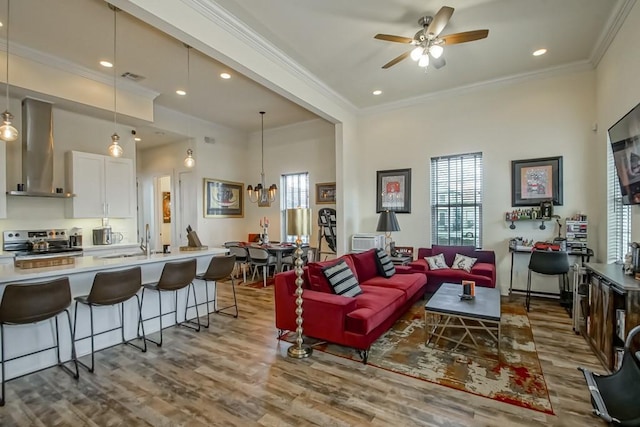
<point x="188" y="206"/>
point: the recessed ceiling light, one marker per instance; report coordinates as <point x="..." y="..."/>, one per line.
<point x="539" y="52"/>
<point x="181" y="92"/>
<point x="106" y="64"/>
<point x="225" y="75"/>
<point x="137" y="139"/>
<point x="1" y="24"/>
<point x="377" y="92"/>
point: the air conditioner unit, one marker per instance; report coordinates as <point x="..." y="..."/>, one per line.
<point x="364" y="242"/>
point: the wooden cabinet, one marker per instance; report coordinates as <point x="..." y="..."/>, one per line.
<point x="104" y="186"/>
<point x="614" y="309"/>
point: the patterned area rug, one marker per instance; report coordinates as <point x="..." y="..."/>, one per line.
<point x="514" y="376"/>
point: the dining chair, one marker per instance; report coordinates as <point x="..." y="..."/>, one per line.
<point x="242" y="260"/>
<point x="259" y="257"/>
<point x="289" y="260"/>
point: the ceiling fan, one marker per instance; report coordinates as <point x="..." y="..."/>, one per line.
<point x="429" y="45"/>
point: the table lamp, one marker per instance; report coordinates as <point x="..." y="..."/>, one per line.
<point x="387" y="223"/>
<point x="299" y="224"/>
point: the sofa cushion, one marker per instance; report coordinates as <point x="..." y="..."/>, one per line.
<point x="483" y="269"/>
<point x="342" y="280"/>
<point x="463" y="262"/>
<point x="366" y="265"/>
<point x="375" y="305"/>
<point x="317" y="280"/>
<point x="450" y="252"/>
<point x="436" y="262"/>
<point x="449" y="275"/>
<point x="410" y="284"/>
<point x="385" y="265"/>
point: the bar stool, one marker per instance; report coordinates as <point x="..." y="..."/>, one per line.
<point x="108" y="289"/>
<point x="175" y="276"/>
<point x="31" y="303"/>
<point x="220" y="267"/>
<point x="549" y="263"/>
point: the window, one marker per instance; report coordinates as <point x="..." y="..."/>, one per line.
<point x="456" y="200"/>
<point x="294" y="194"/>
<point x="618" y="216"/>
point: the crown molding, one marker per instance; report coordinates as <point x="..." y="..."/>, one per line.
<point x="611" y="28"/>
<point x="240" y="31"/>
<point x="75" y="69"/>
<point x="573" y="67"/>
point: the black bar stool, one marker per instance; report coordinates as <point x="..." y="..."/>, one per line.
<point x="175" y="276"/>
<point x="31" y="303"/>
<point x="220" y="267"/>
<point x="110" y="288"/>
<point x="549" y="263"/>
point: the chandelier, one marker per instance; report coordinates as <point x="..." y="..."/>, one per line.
<point x="262" y="195"/>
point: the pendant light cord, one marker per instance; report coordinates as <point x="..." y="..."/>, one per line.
<point x="115" y="89"/>
<point x="8" y="20"/>
<point x="188" y="92"/>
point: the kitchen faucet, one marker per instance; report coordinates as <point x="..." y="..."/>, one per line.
<point x="146" y="241"/>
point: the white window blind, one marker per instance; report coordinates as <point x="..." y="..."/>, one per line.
<point x="618" y="216"/>
<point x="456" y="200"/>
<point x="294" y="194"/>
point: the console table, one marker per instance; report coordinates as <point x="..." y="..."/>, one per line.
<point x="610" y="311"/>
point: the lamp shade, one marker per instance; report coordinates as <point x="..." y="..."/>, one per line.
<point x="299" y="222"/>
<point x="388" y="221"/>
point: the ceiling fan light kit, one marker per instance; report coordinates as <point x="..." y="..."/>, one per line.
<point x="429" y="44"/>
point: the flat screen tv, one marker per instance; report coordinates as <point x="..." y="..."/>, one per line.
<point x="625" y="145"/>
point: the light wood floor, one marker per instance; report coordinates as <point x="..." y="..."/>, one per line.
<point x="237" y="374"/>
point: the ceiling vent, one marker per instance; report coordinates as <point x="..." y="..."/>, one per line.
<point x="132" y="76"/>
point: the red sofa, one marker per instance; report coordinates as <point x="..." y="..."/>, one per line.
<point x="354" y="322"/>
<point x="483" y="271"/>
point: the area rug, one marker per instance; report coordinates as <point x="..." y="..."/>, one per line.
<point x="514" y="376"/>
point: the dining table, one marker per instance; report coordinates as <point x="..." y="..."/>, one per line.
<point x="279" y="250"/>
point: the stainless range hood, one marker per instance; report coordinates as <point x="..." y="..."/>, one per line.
<point x="37" y="150"/>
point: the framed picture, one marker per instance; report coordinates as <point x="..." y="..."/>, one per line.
<point x="394" y="190"/>
<point x="223" y="199"/>
<point x="326" y="193"/>
<point x="166" y="207"/>
<point x="536" y="180"/>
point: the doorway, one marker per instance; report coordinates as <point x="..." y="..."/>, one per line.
<point x="164" y="215"/>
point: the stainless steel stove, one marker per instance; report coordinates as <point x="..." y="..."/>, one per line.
<point x="38" y="243"/>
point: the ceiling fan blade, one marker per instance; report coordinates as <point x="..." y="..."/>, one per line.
<point x="396" y="60"/>
<point x="439" y="21"/>
<point x="438" y="62"/>
<point x="467" y="36"/>
<point x="390" y="38"/>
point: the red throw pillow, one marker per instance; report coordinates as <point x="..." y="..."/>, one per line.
<point x="317" y="279"/>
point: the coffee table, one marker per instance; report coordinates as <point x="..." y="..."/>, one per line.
<point x="445" y="311"/>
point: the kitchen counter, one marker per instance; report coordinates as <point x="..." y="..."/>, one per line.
<point x="21" y="340"/>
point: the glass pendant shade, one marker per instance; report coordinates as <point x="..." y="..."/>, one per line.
<point x="7" y="131"/>
<point x="416" y="53"/>
<point x="189" y="161"/>
<point x="424" y="61"/>
<point x="436" y="51"/>
<point x="115" y="149"/>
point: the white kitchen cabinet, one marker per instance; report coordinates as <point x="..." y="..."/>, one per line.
<point x="104" y="186"/>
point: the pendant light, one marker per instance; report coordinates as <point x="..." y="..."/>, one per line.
<point x="7" y="131"/>
<point x="261" y="195"/>
<point x="189" y="161"/>
<point x="115" y="149"/>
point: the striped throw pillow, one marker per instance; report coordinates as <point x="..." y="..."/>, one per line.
<point x="342" y="280"/>
<point x="385" y="265"/>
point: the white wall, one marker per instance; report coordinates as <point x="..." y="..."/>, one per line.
<point x="539" y="118"/>
<point x="618" y="91"/>
<point x="303" y="147"/>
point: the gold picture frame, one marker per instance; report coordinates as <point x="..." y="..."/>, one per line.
<point x="223" y="199"/>
<point x="326" y="193"/>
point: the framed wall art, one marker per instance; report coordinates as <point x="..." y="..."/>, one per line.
<point x="326" y="193"/>
<point x="536" y="180"/>
<point x="223" y="199"/>
<point x="394" y="190"/>
<point x="166" y="207"/>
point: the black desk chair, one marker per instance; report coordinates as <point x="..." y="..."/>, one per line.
<point x="549" y="263"/>
<point x="615" y="397"/>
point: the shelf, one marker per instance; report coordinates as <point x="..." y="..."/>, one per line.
<point x="541" y="220"/>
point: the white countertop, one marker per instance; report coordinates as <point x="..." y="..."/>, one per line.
<point x="9" y="273"/>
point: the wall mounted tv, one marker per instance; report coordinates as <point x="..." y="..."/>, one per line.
<point x="625" y="145"/>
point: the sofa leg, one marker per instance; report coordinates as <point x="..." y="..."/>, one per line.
<point x="364" y="355"/>
<point x="281" y="333"/>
